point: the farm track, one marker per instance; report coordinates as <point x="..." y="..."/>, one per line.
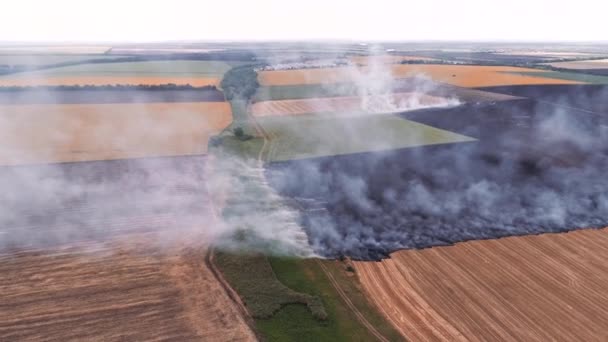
<point x="533" y="288"/>
<point x="360" y="317"/>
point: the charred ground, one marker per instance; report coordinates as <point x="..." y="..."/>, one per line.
<point x="536" y="168"/>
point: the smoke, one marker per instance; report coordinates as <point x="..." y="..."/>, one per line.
<point x="542" y="176"/>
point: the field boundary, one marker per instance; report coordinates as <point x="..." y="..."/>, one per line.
<point x="360" y="317"/>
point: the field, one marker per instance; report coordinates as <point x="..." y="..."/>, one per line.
<point x="533" y="288"/>
<point x="111" y="250"/>
<point x="79" y="132"/>
<point x="460" y="75"/>
<point x="47" y="59"/>
<point x="349" y="105"/>
<point x="387" y="59"/>
<point x="300" y="137"/>
<point x="195" y="73"/>
<point x="582" y="65"/>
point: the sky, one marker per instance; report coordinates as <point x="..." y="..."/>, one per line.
<point x="447" y="20"/>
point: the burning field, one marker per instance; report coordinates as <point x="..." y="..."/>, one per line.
<point x="532" y="288"/>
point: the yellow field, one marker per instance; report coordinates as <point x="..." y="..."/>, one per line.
<point x="51" y="80"/>
<point x="460" y="75"/>
<point x="83" y="132"/>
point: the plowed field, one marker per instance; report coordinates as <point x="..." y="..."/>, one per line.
<point x="533" y="288"/>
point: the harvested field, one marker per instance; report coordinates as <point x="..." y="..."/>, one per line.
<point x="350" y="105"/>
<point x="111" y="251"/>
<point x="48" y="59"/>
<point x="56" y="80"/>
<point x="460" y="75"/>
<point x="309" y="136"/>
<point x="81" y="132"/>
<point x="549" y="287"/>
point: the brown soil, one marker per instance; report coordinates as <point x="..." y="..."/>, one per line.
<point x="83" y="132"/>
<point x="547" y="287"/>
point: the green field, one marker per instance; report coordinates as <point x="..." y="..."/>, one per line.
<point x="268" y="283"/>
<point x="309" y="136"/>
<point x="147" y="68"/>
<point x="571" y="76"/>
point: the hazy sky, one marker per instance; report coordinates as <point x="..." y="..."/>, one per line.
<point x="154" y="20"/>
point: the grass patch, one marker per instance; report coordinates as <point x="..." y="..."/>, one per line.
<point x="263" y="294"/>
<point x="291" y="322"/>
<point x="309" y="136"/>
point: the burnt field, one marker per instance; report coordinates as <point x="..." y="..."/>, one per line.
<point x="536" y="168"/>
<point x="82" y="96"/>
<point x="583" y="97"/>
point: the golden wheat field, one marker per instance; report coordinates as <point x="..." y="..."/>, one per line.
<point x="549" y="287"/>
<point x="461" y="75"/>
<point x="81" y="132"/>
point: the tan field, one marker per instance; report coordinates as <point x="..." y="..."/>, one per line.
<point x="55" y="49"/>
<point x="51" y="80"/>
<point x="549" y="287"/>
<point x="387" y="59"/>
<point x="83" y="132"/>
<point x="460" y="75"/>
<point x="347" y="105"/>
<point x="120" y="292"/>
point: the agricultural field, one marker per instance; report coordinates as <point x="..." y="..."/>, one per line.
<point x="397" y="102"/>
<point x="111" y="250"/>
<point x="301" y="137"/>
<point x="460" y="75"/>
<point x="194" y="73"/>
<point x="43" y="133"/>
<point x="47" y="59"/>
<point x="532" y="288"/>
<point x="582" y="65"/>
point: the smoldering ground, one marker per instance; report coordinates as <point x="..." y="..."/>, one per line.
<point x="536" y="168"/>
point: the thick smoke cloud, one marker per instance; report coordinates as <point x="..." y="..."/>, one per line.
<point x="540" y="174"/>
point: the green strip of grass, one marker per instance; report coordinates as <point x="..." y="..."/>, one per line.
<point x="252" y="277"/>
<point x="570" y="76"/>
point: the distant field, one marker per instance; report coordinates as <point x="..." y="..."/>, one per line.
<point x="548" y="287"/>
<point x="299" y="137"/>
<point x="48" y="59"/>
<point x="195" y="73"/>
<point x="582" y="65"/>
<point x="460" y="75"/>
<point x="560" y="76"/>
<point x="80" y="132"/>
<point x="54" y="49"/>
<point x="348" y="104"/>
<point x="387" y="59"/>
